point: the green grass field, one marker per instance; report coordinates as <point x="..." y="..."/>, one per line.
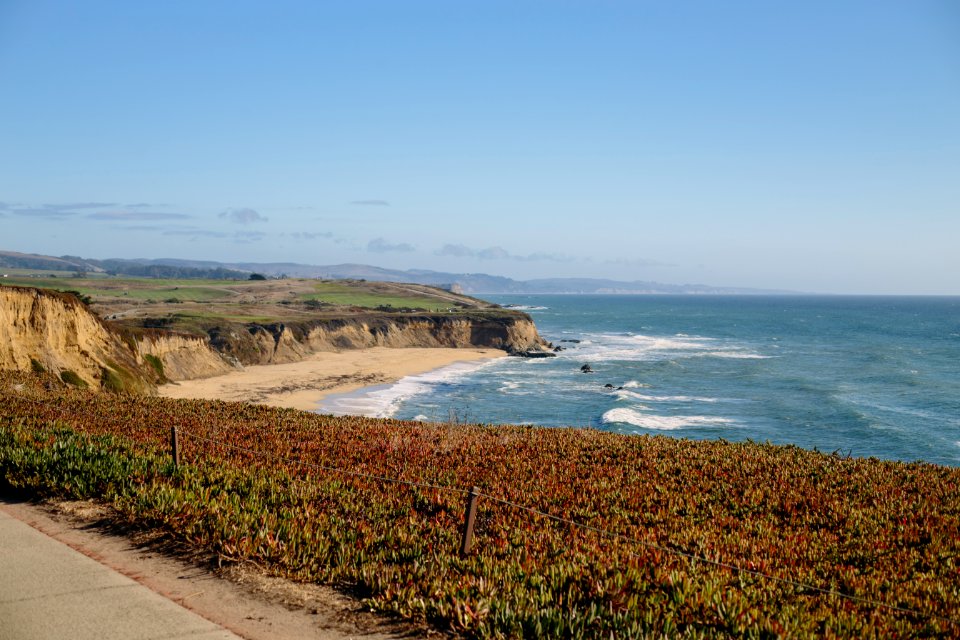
<point x="113" y="290"/>
<point x="346" y="295"/>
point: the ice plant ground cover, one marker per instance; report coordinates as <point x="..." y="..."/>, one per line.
<point x="253" y="486"/>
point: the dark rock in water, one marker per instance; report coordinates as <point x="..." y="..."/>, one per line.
<point x="608" y="386"/>
<point x="586" y="369"/>
<point x="571" y="340"/>
<point x="558" y="348"/>
<point x="619" y="388"/>
<point x="534" y="353"/>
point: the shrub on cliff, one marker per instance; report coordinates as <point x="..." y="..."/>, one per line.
<point x="71" y="378"/>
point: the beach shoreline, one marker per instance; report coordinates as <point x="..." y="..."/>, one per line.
<point x="303" y="384"/>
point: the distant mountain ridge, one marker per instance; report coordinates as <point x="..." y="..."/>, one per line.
<point x="471" y="283"/>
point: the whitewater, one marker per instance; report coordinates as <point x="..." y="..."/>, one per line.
<point x="862" y="376"/>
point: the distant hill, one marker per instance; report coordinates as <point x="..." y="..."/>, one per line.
<point x="16" y="260"/>
<point x="137" y="268"/>
<point x="471" y="283"/>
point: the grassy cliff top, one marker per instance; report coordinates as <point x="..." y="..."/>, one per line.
<point x="194" y="305"/>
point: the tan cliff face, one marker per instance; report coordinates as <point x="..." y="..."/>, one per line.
<point x="41" y="328"/>
<point x="55" y="332"/>
<point x="278" y="343"/>
<point x="184" y="357"/>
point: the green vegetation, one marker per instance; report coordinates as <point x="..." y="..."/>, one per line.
<point x="140" y="289"/>
<point x="71" y="378"/>
<point x="157" y="365"/>
<point x="36" y="366"/>
<point x="85" y="299"/>
<point x="877" y="531"/>
<point x="196" y="306"/>
<point x="181" y="294"/>
<point x="110" y="380"/>
<point x="337" y="293"/>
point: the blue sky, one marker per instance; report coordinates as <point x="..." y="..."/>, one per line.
<point x="812" y="146"/>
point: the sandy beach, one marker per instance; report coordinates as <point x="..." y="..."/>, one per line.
<point x="301" y="385"/>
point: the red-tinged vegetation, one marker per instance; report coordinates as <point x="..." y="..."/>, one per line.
<point x="254" y="486"/>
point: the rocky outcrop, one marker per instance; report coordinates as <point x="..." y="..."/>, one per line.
<point x="47" y="330"/>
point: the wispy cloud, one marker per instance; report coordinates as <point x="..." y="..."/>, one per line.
<point x="246" y="237"/>
<point x="309" y="235"/>
<point x="173" y="230"/>
<point x="136" y="216"/>
<point x="55" y="211"/>
<point x="43" y="212"/>
<point x="72" y="206"/>
<point x="456" y="250"/>
<point x="493" y="253"/>
<point x="546" y="257"/>
<point x="371" y="203"/>
<point x="195" y="233"/>
<point x="379" y="245"/>
<point x="243" y="216"/>
<point x="499" y="253"/>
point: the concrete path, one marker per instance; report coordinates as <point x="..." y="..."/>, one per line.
<point x="50" y="591"/>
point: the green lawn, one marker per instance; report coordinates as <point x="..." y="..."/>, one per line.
<point x="191" y="294"/>
<point x="341" y="294"/>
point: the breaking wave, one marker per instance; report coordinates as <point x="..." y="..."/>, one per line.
<point x="660" y="423"/>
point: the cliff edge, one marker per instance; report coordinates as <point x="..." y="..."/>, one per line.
<point x="41" y="329"/>
<point x="44" y="330"/>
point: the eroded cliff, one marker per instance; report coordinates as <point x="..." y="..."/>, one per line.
<point x="513" y="332"/>
<point x="43" y="329"/>
<point x="47" y="330"/>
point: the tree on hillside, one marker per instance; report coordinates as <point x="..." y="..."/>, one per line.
<point x="257" y="276"/>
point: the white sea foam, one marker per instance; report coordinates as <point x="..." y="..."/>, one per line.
<point x="625" y="394"/>
<point x="384" y="400"/>
<point x="660" y="423"/>
<point x="638" y="347"/>
<point x="515" y="389"/>
<point x="633" y="384"/>
<point x="738" y="356"/>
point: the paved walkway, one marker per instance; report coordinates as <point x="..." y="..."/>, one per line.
<point x="50" y="591"/>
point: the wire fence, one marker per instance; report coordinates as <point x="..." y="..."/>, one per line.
<point x="474" y="494"/>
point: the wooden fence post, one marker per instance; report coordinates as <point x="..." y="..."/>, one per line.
<point x="175" y="446"/>
<point x="470" y="520"/>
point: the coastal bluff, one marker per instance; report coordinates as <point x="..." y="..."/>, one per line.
<point x="42" y="329"/>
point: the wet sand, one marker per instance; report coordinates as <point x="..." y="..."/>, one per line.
<point x="303" y="384"/>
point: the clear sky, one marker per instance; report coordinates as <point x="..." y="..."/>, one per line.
<point x="803" y="145"/>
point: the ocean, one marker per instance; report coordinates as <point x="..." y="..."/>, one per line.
<point x="864" y="376"/>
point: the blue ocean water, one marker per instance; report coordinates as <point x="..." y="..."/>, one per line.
<point x="869" y="376"/>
